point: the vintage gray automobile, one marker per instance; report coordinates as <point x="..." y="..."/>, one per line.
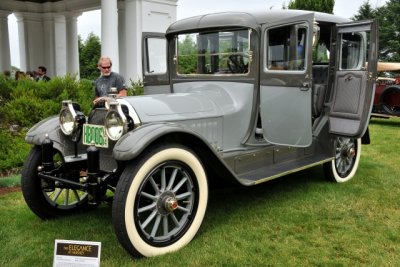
<point x="240" y="96"/>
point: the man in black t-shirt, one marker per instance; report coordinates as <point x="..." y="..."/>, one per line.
<point x="107" y="80"/>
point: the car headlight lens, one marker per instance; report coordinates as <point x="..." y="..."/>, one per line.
<point x="67" y="118"/>
<point x="116" y="123"/>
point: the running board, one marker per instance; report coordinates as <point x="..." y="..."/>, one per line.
<point x="269" y="172"/>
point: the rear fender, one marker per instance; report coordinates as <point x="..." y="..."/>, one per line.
<point x="366" y="140"/>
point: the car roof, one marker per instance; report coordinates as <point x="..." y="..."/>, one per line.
<point x="247" y="19"/>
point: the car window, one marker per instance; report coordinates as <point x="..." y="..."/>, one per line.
<point x="286" y="48"/>
<point x="214" y="53"/>
<point x="156" y="62"/>
<point x="352" y="51"/>
<point x="321" y="54"/>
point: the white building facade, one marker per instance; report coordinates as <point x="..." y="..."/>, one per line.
<point x="48" y="34"/>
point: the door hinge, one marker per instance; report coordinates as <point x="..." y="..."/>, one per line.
<point x="369" y="76"/>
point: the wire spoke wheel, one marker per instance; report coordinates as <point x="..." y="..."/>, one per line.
<point x="44" y="202"/>
<point x="65" y="198"/>
<point x="165" y="202"/>
<point x="346" y="160"/>
<point x="160" y="201"/>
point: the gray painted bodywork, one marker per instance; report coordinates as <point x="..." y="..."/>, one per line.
<point x="250" y="19"/>
<point x="219" y="113"/>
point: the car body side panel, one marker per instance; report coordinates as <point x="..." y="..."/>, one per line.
<point x="174" y="107"/>
<point x="235" y="102"/>
<point x="288" y="122"/>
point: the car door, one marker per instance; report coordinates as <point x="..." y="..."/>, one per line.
<point x="354" y="79"/>
<point x="285" y="82"/>
<point x="155" y="63"/>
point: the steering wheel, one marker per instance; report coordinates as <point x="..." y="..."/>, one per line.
<point x="236" y="64"/>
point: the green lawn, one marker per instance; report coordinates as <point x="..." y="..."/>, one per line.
<point x="297" y="220"/>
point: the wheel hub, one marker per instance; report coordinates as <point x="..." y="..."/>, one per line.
<point x="167" y="203"/>
<point x="351" y="152"/>
<point x="348" y="152"/>
<point x="171" y="204"/>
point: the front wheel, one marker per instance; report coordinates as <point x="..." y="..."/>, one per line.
<point x="49" y="204"/>
<point x="160" y="201"/>
<point x="347" y="157"/>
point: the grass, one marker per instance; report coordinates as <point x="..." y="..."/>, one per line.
<point x="297" y="220"/>
<point x="11" y="181"/>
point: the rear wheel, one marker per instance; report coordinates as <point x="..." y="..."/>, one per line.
<point x="48" y="204"/>
<point x="347" y="157"/>
<point x="160" y="201"/>
<point x="390" y="100"/>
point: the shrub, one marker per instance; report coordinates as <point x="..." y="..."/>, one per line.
<point x="26" y="102"/>
<point x="14" y="150"/>
<point x="6" y="86"/>
<point x="136" y="88"/>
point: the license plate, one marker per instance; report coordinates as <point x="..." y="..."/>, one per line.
<point x="95" y="134"/>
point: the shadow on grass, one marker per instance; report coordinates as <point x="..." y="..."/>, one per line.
<point x="236" y="197"/>
<point x="225" y="202"/>
<point x="392" y="122"/>
<point x="229" y="198"/>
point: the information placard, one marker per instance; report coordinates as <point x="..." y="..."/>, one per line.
<point x="76" y="253"/>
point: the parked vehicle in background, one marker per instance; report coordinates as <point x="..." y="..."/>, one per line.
<point x="245" y="97"/>
<point x="387" y="92"/>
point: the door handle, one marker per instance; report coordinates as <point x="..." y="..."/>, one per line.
<point x="348" y="78"/>
<point x="305" y="86"/>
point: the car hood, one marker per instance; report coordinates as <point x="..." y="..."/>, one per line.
<point x="174" y="107"/>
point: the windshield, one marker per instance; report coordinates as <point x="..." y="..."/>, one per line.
<point x="214" y="53"/>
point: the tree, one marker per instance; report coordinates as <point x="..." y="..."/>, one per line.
<point x="187" y="55"/>
<point x="89" y="54"/>
<point x="366" y="11"/>
<point x="325" y="6"/>
<point x="389" y="30"/>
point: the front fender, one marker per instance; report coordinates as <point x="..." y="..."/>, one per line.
<point x="37" y="133"/>
<point x="133" y="143"/>
<point x="50" y="126"/>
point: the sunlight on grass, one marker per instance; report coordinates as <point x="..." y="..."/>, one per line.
<point x="296" y="220"/>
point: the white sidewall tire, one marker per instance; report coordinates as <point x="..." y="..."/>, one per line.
<point x="191" y="160"/>
<point x="337" y="178"/>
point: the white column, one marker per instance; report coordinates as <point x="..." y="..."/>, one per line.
<point x="42" y="41"/>
<point x="5" y="56"/>
<point x="30" y="33"/>
<point x="142" y="16"/>
<point x="122" y="41"/>
<point x="72" y="44"/>
<point x="133" y="39"/>
<point x="55" y="44"/>
<point x="109" y="31"/>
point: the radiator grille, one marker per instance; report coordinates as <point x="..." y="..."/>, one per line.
<point x="97" y="116"/>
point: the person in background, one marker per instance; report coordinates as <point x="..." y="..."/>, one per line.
<point x="30" y="75"/>
<point x="107" y="80"/>
<point x="41" y="74"/>
<point x="7" y="73"/>
<point x="19" y="75"/>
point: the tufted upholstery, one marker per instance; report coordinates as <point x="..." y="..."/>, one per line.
<point x="320" y="83"/>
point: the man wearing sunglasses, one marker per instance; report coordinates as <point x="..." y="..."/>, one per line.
<point x="107" y="80"/>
